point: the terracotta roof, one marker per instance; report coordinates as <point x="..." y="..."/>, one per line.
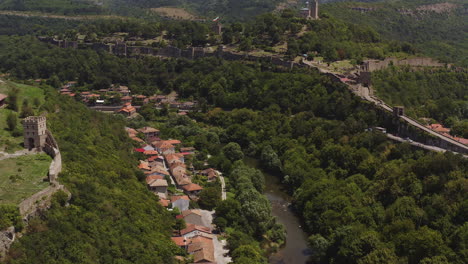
<point x="151" y="178"/>
<point x="162" y="145"/>
<point x="164" y="202"/>
<point x="126" y="98"/>
<point x="158" y="183"/>
<point x="173" y="141"/>
<point x="439" y="128"/>
<point x="192" y="227"/>
<point x="172" y="157"/>
<point x="160" y="170"/>
<point x="131" y="130"/>
<point x="179" y="241"/>
<point x="127" y="108"/>
<point x="145" y="130"/>
<point x="189" y="212"/>
<point x="144" y="166"/>
<point x="151" y="152"/>
<point x="192" y="187"/>
<point x="178" y="197"/>
<point x="137" y="139"/>
<point x="139" y="150"/>
<point x="204" y="255"/>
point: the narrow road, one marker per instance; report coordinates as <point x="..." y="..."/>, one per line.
<point x="223" y="186"/>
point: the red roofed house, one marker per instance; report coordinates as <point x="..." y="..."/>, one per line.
<point x="159" y="186"/>
<point x="149" y="132"/>
<point x="202" y="249"/>
<point x="126" y="99"/>
<point x="180" y="241"/>
<point x="3" y="98"/>
<point x="173" y="158"/>
<point x="210" y="173"/>
<point x="164" y="147"/>
<point x="173" y="141"/>
<point x="164" y="202"/>
<point x="151" y="178"/>
<point x="194" y="230"/>
<point x="127" y="110"/>
<point x="192" y="189"/>
<point x="150" y="152"/>
<point x="144" y="166"/>
<point x="192" y="217"/>
<point x="439" y="128"/>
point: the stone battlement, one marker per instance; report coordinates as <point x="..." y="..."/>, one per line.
<point x="34" y="119"/>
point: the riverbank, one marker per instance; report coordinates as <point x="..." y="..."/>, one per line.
<point x="296" y="250"/>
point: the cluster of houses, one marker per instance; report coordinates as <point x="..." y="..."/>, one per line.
<point x="439" y="128"/>
<point x="165" y="161"/>
<point x="196" y="238"/>
<point x="119" y="95"/>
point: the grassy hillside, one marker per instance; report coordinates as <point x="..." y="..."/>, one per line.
<point x="22" y="177"/>
<point x="434" y="27"/>
<point x="11" y="141"/>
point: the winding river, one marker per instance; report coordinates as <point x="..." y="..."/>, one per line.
<point x="296" y="250"/>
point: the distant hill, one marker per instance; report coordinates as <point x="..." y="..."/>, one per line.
<point x="233" y="10"/>
<point x="434" y="27"/>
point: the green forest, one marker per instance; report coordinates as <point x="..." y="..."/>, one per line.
<point x="362" y="198"/>
<point x="440" y="94"/>
<point x="437" y="34"/>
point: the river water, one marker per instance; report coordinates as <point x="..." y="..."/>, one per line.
<point x="296" y="250"/>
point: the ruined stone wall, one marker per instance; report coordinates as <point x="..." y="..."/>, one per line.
<point x="375" y="65"/>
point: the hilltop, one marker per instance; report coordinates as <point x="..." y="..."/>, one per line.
<point x="435" y="28"/>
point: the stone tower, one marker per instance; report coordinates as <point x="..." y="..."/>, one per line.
<point x="34" y="132"/>
<point x="314" y="9"/>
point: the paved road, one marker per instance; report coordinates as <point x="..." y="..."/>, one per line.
<point x="223" y="187"/>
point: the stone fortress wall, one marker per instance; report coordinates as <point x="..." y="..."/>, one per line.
<point x="40" y="201"/>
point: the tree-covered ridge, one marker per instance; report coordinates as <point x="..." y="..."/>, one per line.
<point x="111" y="217"/>
<point x="234" y="10"/>
<point x="66" y="7"/>
<point x="440" y="94"/>
<point x="363" y="199"/>
<point x="436" y="34"/>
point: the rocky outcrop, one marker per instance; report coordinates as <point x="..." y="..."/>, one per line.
<point x="7" y="237"/>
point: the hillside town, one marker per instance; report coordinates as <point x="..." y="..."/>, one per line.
<point x="169" y="177"/>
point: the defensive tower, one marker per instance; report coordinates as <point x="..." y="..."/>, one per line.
<point x="34" y="132"/>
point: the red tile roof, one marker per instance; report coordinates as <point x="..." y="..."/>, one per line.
<point x="178" y="197"/>
<point x="151" y="178"/>
<point x="151" y="152"/>
<point x="164" y="202"/>
<point x="192" y="187"/>
<point x="140" y="150"/>
<point x="192" y="227"/>
<point x="179" y="241"/>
